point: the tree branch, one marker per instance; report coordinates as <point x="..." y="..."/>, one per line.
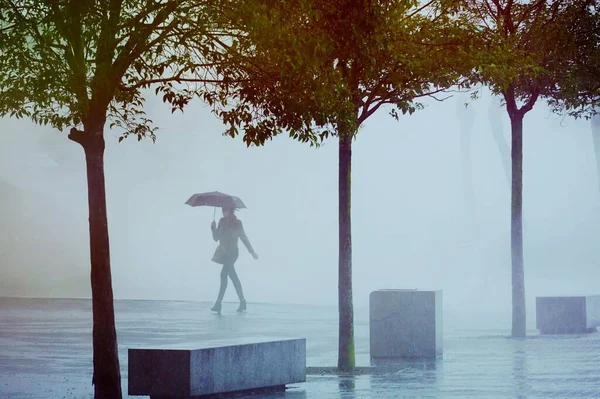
<point x="509" y="98"/>
<point x="418" y="10"/>
<point x="150" y="82"/>
<point x="132" y="48"/>
<point x="74" y="54"/>
<point x="106" y="39"/>
<point x="529" y="9"/>
<point x="7" y="27"/>
<point x="531" y="102"/>
<point x="77" y="136"/>
<point x="33" y="26"/>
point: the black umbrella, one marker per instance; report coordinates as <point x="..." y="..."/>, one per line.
<point x="215" y="199"/>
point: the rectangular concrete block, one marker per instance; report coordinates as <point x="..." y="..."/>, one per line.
<point x="567" y="315"/>
<point x="406" y="324"/>
<point x="592" y="312"/>
<point x="187" y="373"/>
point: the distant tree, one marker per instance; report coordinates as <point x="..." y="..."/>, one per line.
<point x="527" y="49"/>
<point x="466" y="116"/>
<point x="326" y="67"/>
<point x="81" y="63"/>
<point x="494" y="111"/>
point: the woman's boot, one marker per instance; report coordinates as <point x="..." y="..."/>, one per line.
<point x="242" y="307"/>
<point x="217" y="307"/>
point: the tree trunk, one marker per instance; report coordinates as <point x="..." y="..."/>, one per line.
<point x="516" y="236"/>
<point x="596" y="139"/>
<point x="107" y="376"/>
<point x="346" y="360"/>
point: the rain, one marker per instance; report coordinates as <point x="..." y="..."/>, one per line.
<point x="229" y="267"/>
<point x="412" y="217"/>
<point x="416" y="224"/>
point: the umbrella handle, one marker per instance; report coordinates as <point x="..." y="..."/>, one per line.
<point x="214" y="213"/>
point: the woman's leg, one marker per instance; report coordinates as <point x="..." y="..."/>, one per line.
<point x="224" y="273"/>
<point x="236" y="282"/>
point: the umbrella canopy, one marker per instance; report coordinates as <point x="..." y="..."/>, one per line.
<point x="215" y="199"/>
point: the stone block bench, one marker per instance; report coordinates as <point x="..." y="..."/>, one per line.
<point x="193" y="373"/>
<point x="405" y="324"/>
<point x="567" y="314"/>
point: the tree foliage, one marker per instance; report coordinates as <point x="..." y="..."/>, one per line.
<point x="80" y="63"/>
<point x="322" y="62"/>
<point x="537" y="49"/>
<point x="320" y="68"/>
<point x="530" y="50"/>
<point x="578" y="93"/>
<point x="62" y="61"/>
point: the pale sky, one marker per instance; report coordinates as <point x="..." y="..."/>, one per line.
<point x="411" y="223"/>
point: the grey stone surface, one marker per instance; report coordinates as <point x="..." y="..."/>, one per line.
<point x="567" y="315"/>
<point x="204" y="371"/>
<point x="405" y="324"/>
<point x="46" y="351"/>
<point x="592" y="311"/>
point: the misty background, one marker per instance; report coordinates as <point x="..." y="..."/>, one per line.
<point x="415" y="222"/>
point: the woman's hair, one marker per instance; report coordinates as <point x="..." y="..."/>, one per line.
<point x="229" y="209"/>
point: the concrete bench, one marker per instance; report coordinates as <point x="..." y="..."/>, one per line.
<point x="567" y="314"/>
<point x="405" y="324"/>
<point x="193" y="373"/>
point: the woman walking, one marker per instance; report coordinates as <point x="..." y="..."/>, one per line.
<point x="228" y="231"/>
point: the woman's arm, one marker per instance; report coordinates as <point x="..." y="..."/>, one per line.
<point x="245" y="239"/>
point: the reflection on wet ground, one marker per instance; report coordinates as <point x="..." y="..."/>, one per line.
<point x="45" y="352"/>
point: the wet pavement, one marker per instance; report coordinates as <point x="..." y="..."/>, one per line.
<point x="45" y="351"/>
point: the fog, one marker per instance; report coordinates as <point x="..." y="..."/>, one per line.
<point x="418" y="220"/>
